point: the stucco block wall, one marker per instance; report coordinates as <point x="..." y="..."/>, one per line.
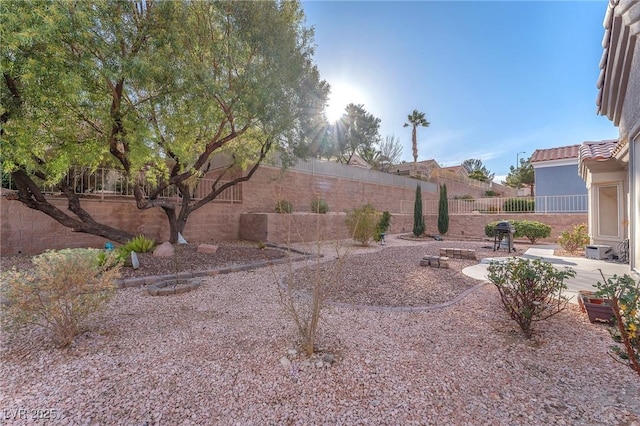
<point x="24" y="230"/>
<point x="559" y="180"/>
<point x="305" y="227"/>
<point x="342" y="195"/>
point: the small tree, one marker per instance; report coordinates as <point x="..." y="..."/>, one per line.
<point x="418" y="219"/>
<point x="443" y="211"/>
<point x="529" y="290"/>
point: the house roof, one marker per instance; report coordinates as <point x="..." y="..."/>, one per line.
<point x="592" y="153"/>
<point x="560" y="153"/>
<point x="598" y="151"/>
<point x="456" y="169"/>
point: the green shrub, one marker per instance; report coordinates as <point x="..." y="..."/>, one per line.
<point x="59" y="293"/>
<point x="624" y="294"/>
<point x="518" y="205"/>
<point x="383" y="225"/>
<point x="491" y="193"/>
<point x="284" y="206"/>
<point x="362" y="223"/>
<point x="529" y="290"/>
<point x="533" y="230"/>
<point x="574" y="240"/>
<point x="463" y="197"/>
<point x="318" y="205"/>
<point x="139" y="244"/>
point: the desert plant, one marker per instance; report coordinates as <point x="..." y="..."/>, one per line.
<point x="533" y="230"/>
<point x="63" y="289"/>
<point x="624" y="294"/>
<point x="418" y="218"/>
<point x="443" y="210"/>
<point x="304" y="290"/>
<point x="529" y="290"/>
<point x="518" y="205"/>
<point x="139" y="244"/>
<point x="574" y="240"/>
<point x="361" y="223"/>
<point x="284" y="206"/>
<point x="382" y="226"/>
<point x="318" y="205"/>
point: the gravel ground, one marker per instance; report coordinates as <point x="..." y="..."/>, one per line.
<point x="225" y="354"/>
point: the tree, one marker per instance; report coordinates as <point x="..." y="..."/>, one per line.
<point x="356" y="131"/>
<point x="476" y="170"/>
<point x="390" y="152"/>
<point x="418" y="219"/>
<point x="415" y="119"/>
<point x="443" y="211"/>
<point x="241" y="83"/>
<point x="522" y="176"/>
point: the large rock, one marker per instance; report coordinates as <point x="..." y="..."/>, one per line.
<point x="207" y="248"/>
<point x="164" y="250"/>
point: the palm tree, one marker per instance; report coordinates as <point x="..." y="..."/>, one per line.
<point x="416" y="119"/>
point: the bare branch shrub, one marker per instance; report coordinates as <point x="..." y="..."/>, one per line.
<point x="304" y="290"/>
<point x="64" y="288"/>
<point x="530" y="290"/>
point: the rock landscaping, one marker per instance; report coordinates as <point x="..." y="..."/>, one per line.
<point x="226" y="354"/>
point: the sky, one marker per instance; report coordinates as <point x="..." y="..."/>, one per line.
<point x="496" y="79"/>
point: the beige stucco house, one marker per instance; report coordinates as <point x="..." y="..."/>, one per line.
<point x="611" y="168"/>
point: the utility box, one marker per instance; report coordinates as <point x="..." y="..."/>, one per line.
<point x="598" y="252"/>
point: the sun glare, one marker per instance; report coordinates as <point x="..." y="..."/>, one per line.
<point x="341" y="95"/>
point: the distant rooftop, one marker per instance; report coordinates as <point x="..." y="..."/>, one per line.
<point x="561" y="153"/>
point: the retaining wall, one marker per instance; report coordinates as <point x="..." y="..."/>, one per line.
<point x="24" y="230"/>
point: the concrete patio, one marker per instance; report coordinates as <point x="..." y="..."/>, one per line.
<point x="587" y="270"/>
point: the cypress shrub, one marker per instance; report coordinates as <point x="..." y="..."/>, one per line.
<point x="418" y="219"/>
<point x="443" y="211"/>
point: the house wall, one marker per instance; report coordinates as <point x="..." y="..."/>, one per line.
<point x="629" y="127"/>
<point x="559" y="180"/>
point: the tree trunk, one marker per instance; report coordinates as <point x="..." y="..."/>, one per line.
<point x="30" y="196"/>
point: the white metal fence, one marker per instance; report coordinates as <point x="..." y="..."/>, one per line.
<point x="493" y="205"/>
<point x="105" y="183"/>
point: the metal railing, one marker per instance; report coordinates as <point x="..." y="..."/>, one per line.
<point x="494" y="205"/>
<point x="105" y="183"/>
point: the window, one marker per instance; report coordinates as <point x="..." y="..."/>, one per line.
<point x="608" y="211"/>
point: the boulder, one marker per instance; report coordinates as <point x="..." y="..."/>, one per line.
<point x="207" y="248"/>
<point x="164" y="250"/>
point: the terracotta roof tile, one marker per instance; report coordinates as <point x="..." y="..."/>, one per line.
<point x="598" y="151"/>
<point x="560" y="153"/>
